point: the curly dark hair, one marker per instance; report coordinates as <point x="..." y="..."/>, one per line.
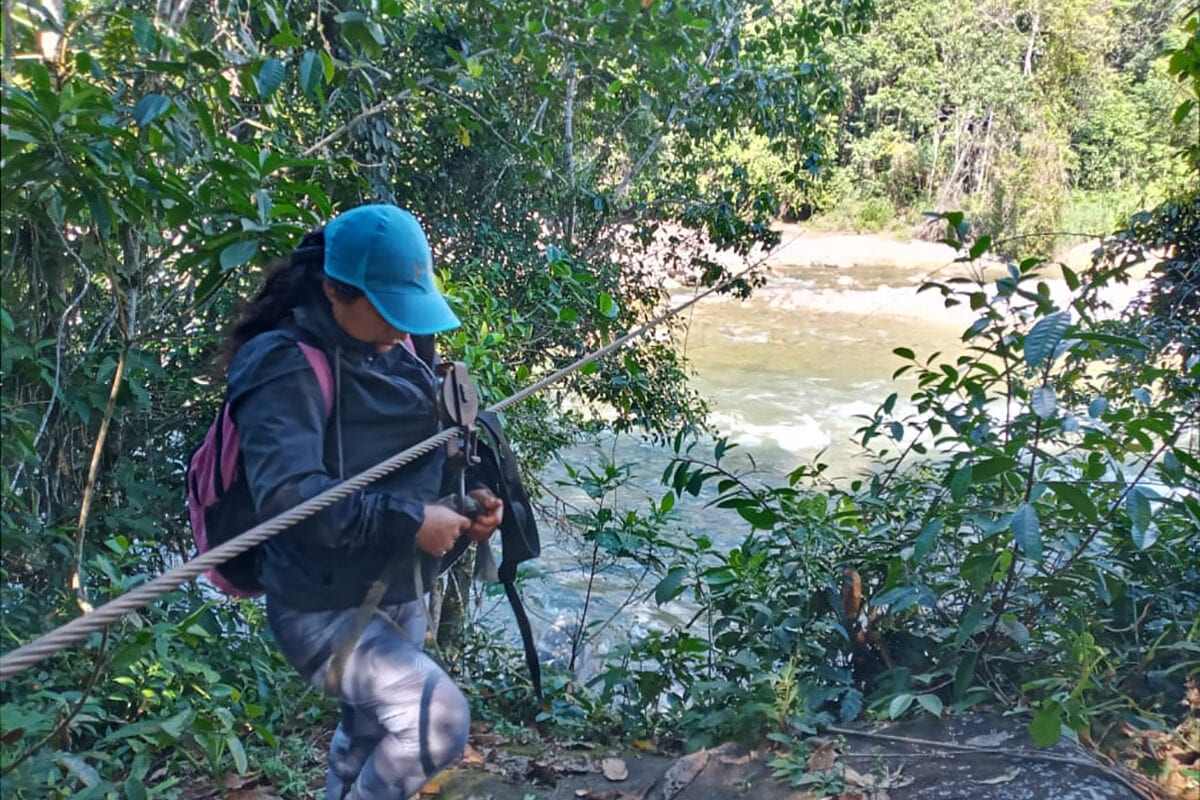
<point x="296" y="281"/>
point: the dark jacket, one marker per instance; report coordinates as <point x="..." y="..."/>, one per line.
<point x="293" y="450"/>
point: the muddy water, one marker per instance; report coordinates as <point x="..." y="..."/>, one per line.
<point x="788" y="370"/>
<point x="785" y="372"/>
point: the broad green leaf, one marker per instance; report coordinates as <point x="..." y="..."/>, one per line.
<point x="851" y="707"/>
<point x="1075" y="497"/>
<point x="1016" y="630"/>
<point x="1070" y="276"/>
<point x="1108" y="338"/>
<point x="1137" y="504"/>
<point x="899" y="705"/>
<point x="1144" y="539"/>
<point x="960" y="482"/>
<point x="1027" y="531"/>
<point x="926" y="539"/>
<point x="1097" y="407"/>
<point x="1044" y="402"/>
<point x="977" y="570"/>
<point x="1181" y="111"/>
<point x="144" y="34"/>
<point x="238" y="752"/>
<point x="1045" y="336"/>
<point x="311" y="72"/>
<point x="150" y="108"/>
<point x="671" y="586"/>
<point x="965" y="673"/>
<point x="78" y="769"/>
<point x="608" y="306"/>
<point x="981" y="246"/>
<point x="761" y="518"/>
<point x="238" y="253"/>
<point x="991" y="467"/>
<point x="969" y="624"/>
<point x="1046" y="726"/>
<point x="931" y="703"/>
<point x="135" y="789"/>
<point x="270" y="77"/>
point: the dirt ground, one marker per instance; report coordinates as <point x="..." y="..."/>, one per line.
<point x="977" y="757"/>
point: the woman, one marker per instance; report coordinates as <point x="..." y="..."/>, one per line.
<point x="357" y="290"/>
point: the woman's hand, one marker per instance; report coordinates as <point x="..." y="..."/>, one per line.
<point x="489" y="518"/>
<point x="440" y="530"/>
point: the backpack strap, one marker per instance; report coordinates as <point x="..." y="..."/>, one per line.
<point x="320" y="365"/>
<point x="518" y="532"/>
<point x="423" y="347"/>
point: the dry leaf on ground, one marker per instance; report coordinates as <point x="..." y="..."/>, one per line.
<point x="989" y="739"/>
<point x="824" y="755"/>
<point x="432" y="788"/>
<point x="614" y="769"/>
<point x="683" y="772"/>
<point x="1002" y="778"/>
<point x="472" y="757"/>
<point x="261" y="793"/>
<point x="854" y="778"/>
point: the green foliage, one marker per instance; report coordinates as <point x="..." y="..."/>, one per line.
<point x="1027" y="536"/>
<point x="1005" y="109"/>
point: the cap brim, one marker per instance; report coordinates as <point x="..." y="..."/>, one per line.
<point x="421" y="314"/>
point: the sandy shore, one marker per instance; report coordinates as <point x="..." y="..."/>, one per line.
<point x="800" y="247"/>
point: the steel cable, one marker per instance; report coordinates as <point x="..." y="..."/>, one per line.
<point x="78" y="629"/>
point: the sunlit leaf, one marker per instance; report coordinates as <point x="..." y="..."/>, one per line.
<point x="1045" y="336"/>
<point x="1044" y="402"/>
<point x="1046" y="726"/>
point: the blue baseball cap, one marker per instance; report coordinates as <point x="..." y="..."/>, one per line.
<point x="382" y="250"/>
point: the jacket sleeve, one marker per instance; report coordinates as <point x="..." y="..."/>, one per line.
<point x="276" y="403"/>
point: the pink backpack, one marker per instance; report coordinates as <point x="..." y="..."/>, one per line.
<point x="218" y="495"/>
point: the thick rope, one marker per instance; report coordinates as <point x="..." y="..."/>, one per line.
<point x="78" y="629"/>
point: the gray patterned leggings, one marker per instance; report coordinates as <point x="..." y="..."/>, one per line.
<point x="403" y="719"/>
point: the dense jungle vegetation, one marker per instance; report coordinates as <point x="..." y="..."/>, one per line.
<point x="1025" y="541"/>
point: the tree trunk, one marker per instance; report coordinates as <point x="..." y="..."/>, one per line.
<point x="1034" y="29"/>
